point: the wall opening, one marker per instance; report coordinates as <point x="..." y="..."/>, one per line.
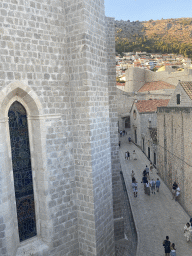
<point x="155" y="161"/>
<point x="22" y="171"/>
<point x="127" y="122"/>
<point x="178" y="99"/>
<point x="149" y="152"/>
<point x="143" y="145"/>
<point x="135" y="136"/>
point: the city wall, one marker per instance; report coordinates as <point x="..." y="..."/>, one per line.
<point x="137" y="77"/>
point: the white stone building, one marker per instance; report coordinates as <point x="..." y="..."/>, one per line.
<point x="143" y="117"/>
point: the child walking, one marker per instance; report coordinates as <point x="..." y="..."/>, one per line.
<point x="173" y="250"/>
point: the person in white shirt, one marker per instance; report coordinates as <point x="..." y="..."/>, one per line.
<point x="134" y="186"/>
<point x="187" y="231"/>
<point x="147" y="188"/>
<point x="177" y="192"/>
<point x="152" y="185"/>
<point x="173" y="250"/>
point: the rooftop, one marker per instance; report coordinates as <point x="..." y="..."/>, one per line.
<point x="187" y="86"/>
<point x="154" y="86"/>
<point x="120" y="84"/>
<point x="150" y="105"/>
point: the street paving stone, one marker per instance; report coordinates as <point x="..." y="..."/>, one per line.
<point x="157" y="215"/>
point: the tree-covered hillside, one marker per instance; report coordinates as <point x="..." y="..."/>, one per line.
<point x="165" y="36"/>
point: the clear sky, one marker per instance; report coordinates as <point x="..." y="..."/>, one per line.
<point x="144" y="10"/>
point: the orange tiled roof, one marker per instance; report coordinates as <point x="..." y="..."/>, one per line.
<point x="187" y="86"/>
<point x="154" y="86"/>
<point x="120" y="84"/>
<point x="150" y="105"/>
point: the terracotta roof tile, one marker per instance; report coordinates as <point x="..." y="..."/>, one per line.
<point x="187" y="86"/>
<point x="150" y="105"/>
<point x="156" y="85"/>
<point x="120" y="84"/>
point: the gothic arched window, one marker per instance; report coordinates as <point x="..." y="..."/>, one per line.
<point x="22" y="172"/>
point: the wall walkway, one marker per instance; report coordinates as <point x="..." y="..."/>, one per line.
<point x="155" y="216"/>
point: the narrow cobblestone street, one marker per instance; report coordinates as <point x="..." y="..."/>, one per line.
<point x="157" y="215"/>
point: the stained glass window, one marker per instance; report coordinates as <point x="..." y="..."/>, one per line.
<point x="21" y="161"/>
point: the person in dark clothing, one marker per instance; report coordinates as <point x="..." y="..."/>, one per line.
<point x="190" y="221"/>
<point x="174" y="190"/>
<point x="144" y="180"/>
<point x="119" y="143"/>
<point x="167" y="244"/>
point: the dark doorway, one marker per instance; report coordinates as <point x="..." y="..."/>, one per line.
<point x="127" y="122"/>
<point x="143" y="145"/>
<point x="22" y="172"/>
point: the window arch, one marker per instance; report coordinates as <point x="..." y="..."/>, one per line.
<point x="22" y="171"/>
<point x="26" y="96"/>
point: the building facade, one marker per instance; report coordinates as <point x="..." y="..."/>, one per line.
<point x="58" y="129"/>
<point x="144" y="125"/>
<point x="174" y="142"/>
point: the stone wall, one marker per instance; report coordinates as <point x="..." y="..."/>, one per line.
<point x="124" y="103"/>
<point x="137" y="77"/>
<point x="185" y="101"/>
<point x="174" y="150"/>
<point x="113" y="114"/>
<point x="56" y="58"/>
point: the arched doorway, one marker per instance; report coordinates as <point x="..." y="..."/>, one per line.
<point x="22" y="171"/>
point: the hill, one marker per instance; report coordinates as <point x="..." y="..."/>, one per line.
<point x="165" y="36"/>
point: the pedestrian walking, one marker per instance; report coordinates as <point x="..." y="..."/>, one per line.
<point x="134" y="155"/>
<point x="151" y="167"/>
<point x="128" y="155"/>
<point x="177" y="192"/>
<point x="119" y="143"/>
<point x="174" y="187"/>
<point x="144" y="180"/>
<point x="187" y="231"/>
<point x="167" y="244"/>
<point x="121" y="133"/>
<point x="125" y="155"/>
<point x="152" y="185"/>
<point x="190" y="221"/>
<point x="173" y="250"/>
<point x="129" y="139"/>
<point x="147" y="188"/>
<point x="134" y="186"/>
<point x="157" y="184"/>
<point x="147" y="170"/>
<point x="132" y="175"/>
